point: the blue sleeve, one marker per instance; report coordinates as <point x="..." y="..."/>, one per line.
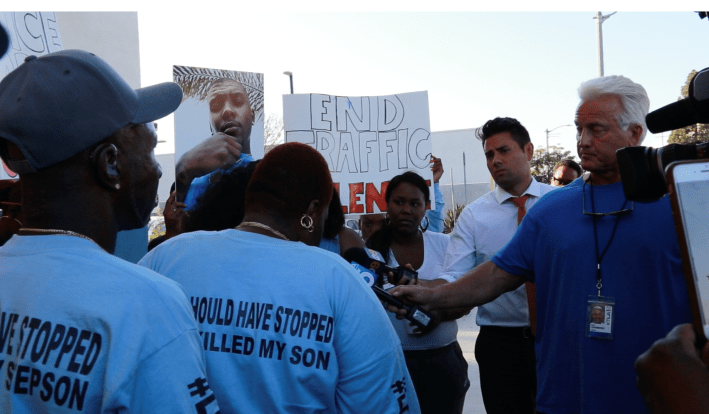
<point x="517" y="257"/>
<point x="197" y="188"/>
<point x="435" y="216"/>
<point x="199" y="185"/>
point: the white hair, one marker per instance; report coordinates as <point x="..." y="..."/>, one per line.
<point x="636" y="103"/>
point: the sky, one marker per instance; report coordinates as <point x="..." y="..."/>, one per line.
<point x="474" y="65"/>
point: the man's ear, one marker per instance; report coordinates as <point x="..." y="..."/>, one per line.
<point x="529" y="151"/>
<point x="636" y="131"/>
<point x="105" y="161"/>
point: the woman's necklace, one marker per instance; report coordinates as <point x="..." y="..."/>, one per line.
<point x="262" y="226"/>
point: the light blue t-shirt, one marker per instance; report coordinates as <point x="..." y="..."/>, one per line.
<point x="286" y="327"/>
<point x="82" y="331"/>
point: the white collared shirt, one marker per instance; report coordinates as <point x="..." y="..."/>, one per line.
<point x="484" y="227"/>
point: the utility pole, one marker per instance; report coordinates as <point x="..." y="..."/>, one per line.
<point x="549" y="130"/>
<point x="601" y="19"/>
<point x="452" y="196"/>
<point x="465" y="180"/>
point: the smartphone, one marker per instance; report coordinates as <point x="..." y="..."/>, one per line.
<point x="689" y="193"/>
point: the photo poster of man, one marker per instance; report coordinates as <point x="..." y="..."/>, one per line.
<point x="31" y="34"/>
<point x="365" y="140"/>
<point x="219" y="108"/>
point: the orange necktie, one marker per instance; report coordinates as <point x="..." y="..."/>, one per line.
<point x="529" y="286"/>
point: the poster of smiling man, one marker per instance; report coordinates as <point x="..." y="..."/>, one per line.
<point x="218" y="126"/>
<point x="365" y="140"/>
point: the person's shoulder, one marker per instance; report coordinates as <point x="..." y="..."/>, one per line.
<point x="141" y="280"/>
<point x="483" y="201"/>
<point x="546" y="188"/>
<point x="438" y="238"/>
<point x="568" y="191"/>
<point x="192" y="239"/>
<point x="555" y="199"/>
<point x="349" y="238"/>
<point x="325" y="257"/>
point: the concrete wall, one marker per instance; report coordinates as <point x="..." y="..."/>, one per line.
<point x="167" y="163"/>
<point x="450" y="146"/>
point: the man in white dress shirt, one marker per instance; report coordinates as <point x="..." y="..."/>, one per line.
<point x="504" y="348"/>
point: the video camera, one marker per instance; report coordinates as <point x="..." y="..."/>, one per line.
<point x="642" y="169"/>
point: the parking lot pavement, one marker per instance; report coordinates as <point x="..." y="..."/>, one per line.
<point x="467" y="334"/>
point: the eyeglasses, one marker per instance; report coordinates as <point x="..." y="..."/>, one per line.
<point x="621" y="212"/>
<point x="561" y="181"/>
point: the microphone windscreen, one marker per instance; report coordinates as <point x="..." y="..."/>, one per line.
<point x="673" y="116"/>
<point x="356" y="254"/>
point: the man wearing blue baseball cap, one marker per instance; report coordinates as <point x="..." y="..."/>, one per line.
<point x="81" y="329"/>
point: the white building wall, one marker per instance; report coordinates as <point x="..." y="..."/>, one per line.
<point x="113" y="36"/>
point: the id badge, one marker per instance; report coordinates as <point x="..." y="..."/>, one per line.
<point x="599" y="317"/>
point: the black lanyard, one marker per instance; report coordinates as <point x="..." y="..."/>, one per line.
<point x="599" y="257"/>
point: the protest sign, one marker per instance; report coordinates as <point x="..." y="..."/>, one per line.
<point x="365" y="140"/>
<point x="216" y="103"/>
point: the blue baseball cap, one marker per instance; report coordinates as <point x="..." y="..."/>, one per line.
<point x="54" y="106"/>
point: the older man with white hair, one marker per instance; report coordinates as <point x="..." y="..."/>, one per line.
<point x="585" y="245"/>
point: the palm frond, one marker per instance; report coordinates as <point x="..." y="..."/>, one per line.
<point x="195" y="83"/>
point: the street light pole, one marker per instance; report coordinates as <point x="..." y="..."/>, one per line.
<point x="549" y="130"/>
<point x="290" y="75"/>
<point x="601" y="19"/>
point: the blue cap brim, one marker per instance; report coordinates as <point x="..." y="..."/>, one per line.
<point x="157" y="101"/>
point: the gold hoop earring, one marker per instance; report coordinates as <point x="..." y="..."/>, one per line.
<point x="307" y="222"/>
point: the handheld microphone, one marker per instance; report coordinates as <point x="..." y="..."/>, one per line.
<point x="371" y="266"/>
<point x="373" y="262"/>
<point x="415" y="315"/>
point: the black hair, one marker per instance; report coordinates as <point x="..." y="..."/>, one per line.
<point x="381" y="239"/>
<point x="335" y="217"/>
<point x="287" y="179"/>
<point x="569" y="163"/>
<point x="498" y="125"/>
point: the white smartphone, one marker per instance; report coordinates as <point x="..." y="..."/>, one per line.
<point x="689" y="181"/>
